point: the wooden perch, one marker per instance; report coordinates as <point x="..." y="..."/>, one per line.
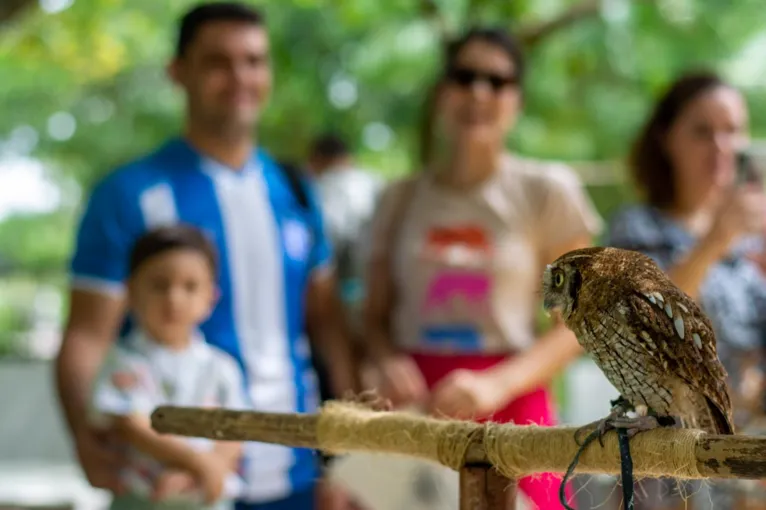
<point x="514" y="450"/>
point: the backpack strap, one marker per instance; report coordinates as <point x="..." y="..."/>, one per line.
<point x="295" y="176"/>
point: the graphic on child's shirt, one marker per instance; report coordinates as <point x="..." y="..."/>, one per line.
<point x="457" y="297"/>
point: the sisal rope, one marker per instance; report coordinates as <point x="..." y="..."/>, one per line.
<point x="513" y="450"/>
<point x="343" y="427"/>
<point x="516" y="450"/>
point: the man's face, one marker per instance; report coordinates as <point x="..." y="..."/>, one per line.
<point x="226" y="74"/>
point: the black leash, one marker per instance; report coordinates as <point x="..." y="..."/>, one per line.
<point x="626" y="468"/>
<point x="570" y="470"/>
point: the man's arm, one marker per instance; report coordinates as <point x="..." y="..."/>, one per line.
<point x="326" y="323"/>
<point x="107" y="230"/>
<point x="94" y="320"/>
<point x="329" y="332"/>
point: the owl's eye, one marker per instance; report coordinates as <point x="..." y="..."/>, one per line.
<point x="558" y="279"/>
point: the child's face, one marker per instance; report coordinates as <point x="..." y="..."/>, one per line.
<point x="171" y="293"/>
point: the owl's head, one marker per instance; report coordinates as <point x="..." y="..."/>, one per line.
<point x="561" y="282"/>
<point x="596" y="269"/>
<point x="563" y="278"/>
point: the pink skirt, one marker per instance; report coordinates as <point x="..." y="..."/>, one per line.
<point x="534" y="407"/>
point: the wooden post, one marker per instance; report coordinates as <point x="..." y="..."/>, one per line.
<point x="482" y="487"/>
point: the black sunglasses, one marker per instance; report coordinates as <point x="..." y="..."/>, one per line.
<point x="467" y="77"/>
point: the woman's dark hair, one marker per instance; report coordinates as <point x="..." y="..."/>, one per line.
<point x="495" y="36"/>
<point x="649" y="162"/>
<point x="174" y="237"/>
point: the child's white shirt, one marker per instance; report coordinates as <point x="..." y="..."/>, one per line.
<point x="138" y="375"/>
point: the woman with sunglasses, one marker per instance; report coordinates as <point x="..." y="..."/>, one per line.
<point x="458" y="251"/>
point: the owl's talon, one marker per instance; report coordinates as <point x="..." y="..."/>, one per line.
<point x="603" y="427"/>
<point x="620" y="406"/>
<point x="635" y="425"/>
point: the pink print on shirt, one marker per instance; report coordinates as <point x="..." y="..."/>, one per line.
<point x="446" y="286"/>
<point x="457" y="298"/>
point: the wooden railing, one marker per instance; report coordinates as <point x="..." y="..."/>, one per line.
<point x="490" y="457"/>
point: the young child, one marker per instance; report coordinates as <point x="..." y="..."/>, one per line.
<point x="164" y="359"/>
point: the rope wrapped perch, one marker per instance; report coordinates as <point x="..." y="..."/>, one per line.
<point x="344" y="427"/>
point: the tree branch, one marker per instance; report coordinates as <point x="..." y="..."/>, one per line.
<point x="430" y="10"/>
<point x="9" y="9"/>
<point x="531" y="36"/>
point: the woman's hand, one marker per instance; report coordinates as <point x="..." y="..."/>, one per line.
<point x="332" y="496"/>
<point x="759" y="258"/>
<point x="173" y="482"/>
<point x="401" y="380"/>
<point x="743" y="211"/>
<point x="467" y="394"/>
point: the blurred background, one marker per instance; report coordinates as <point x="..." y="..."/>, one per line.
<point x="82" y="89"/>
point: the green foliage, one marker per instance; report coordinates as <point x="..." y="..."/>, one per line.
<point x="589" y="85"/>
<point x="38" y="245"/>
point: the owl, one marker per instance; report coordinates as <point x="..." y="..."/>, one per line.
<point x="649" y="338"/>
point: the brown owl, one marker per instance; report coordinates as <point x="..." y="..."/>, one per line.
<point x="649" y="338"/>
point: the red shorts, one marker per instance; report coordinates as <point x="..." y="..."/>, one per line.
<point x="534" y="407"/>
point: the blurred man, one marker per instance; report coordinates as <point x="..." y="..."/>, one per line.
<point x="348" y="195"/>
<point x="267" y="229"/>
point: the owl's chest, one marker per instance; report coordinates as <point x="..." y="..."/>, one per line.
<point x="624" y="361"/>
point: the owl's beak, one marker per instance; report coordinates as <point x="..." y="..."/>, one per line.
<point x="549" y="306"/>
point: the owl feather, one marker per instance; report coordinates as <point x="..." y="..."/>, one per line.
<point x="651" y="340"/>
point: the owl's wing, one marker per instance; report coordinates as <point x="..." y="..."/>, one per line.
<point x="681" y="338"/>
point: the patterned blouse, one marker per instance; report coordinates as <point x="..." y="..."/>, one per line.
<point x="733" y="293"/>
